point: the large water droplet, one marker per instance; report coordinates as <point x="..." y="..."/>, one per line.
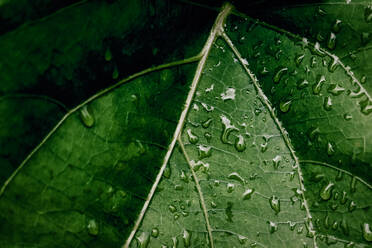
<point x="348" y="117"/>
<point x="327" y="103"/>
<point x="227" y="129"/>
<point x="186" y="236"/>
<point x="204" y="151"/>
<point x="318" y="86"/>
<point x="237" y="177"/>
<point x="278" y="75"/>
<point x="333" y="64"/>
<point x="317" y="50"/>
<point x="86" y="116"/>
<point x="240" y="143"/>
<point x="276" y="161"/>
<point x="92" y="227"/>
<point x="193" y="139"/>
<point x="143" y="239"/>
<point x="247" y="194"/>
<point x="229" y="94"/>
<point x="367" y="233"/>
<point x="326" y="191"/>
<point x="155" y="232"/>
<point x="285" y="106"/>
<point x="275" y="204"/>
<point x="331" y="41"/>
<point x="230" y="187"/>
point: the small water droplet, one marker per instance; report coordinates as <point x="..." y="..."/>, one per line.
<point x="172" y="208"/>
<point x="337" y="26"/>
<point x="278" y="75"/>
<point x="285" y="106"/>
<point x="240" y="143"/>
<point x="275" y="204"/>
<point x="330" y="149"/>
<point x="229" y="94"/>
<point x="193" y="139"/>
<point x="299" y="59"/>
<point x="237" y="177"/>
<point x="92" y="227"/>
<point x="174" y="242"/>
<point x="155" y="232"/>
<point x="363" y="80"/>
<point x="207" y="107"/>
<point x="143" y="240"/>
<point x="247" y="194"/>
<point x="367" y="233"/>
<point x="207" y="123"/>
<point x="318" y="86"/>
<point x="167" y="172"/>
<point x="326" y="191"/>
<point x="292" y="225"/>
<point x="312" y="62"/>
<point x="327" y="103"/>
<point x="204" y="151"/>
<point x="350" y="244"/>
<point x="273" y="227"/>
<point x="352" y="206"/>
<point x="276" y="161"/>
<point x="331" y="41"/>
<point x="300" y="229"/>
<point x="230" y="187"/>
<point x="86" y="116"/>
<point x="227" y="129"/>
<point x="343" y="199"/>
<point x="348" y="117"/>
<point x="335" y="89"/>
<point x="186" y="236"/>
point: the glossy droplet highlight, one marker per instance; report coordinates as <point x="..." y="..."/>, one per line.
<point x="193" y="139"/>
<point x="299" y="59"/>
<point x="229" y="94"/>
<point x="86" y="116"/>
<point x="207" y="123"/>
<point x="240" y="143"/>
<point x="275" y="204"/>
<point x="273" y="227"/>
<point x="143" y="240"/>
<point x="335" y="89"/>
<point x="317" y="50"/>
<point x="367" y="233"/>
<point x="331" y="41"/>
<point x="337" y="26"/>
<point x="285" y="106"/>
<point x="348" y="117"/>
<point x="326" y="191"/>
<point x="230" y="187"/>
<point x="155" y="232"/>
<point x="352" y="206"/>
<point x="276" y="161"/>
<point x="302" y="84"/>
<point x="204" y="151"/>
<point x="278" y="75"/>
<point x="93" y="227"/>
<point x="236" y="176"/>
<point x="186" y="236"/>
<point x="327" y="104"/>
<point x="333" y="64"/>
<point x="318" y="86"/>
<point x="247" y="194"/>
<point x="227" y="129"/>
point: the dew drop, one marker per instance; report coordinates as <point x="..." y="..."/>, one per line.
<point x="193" y="139"/>
<point x="335" y="225"/>
<point x="155" y="232"/>
<point x="333" y="64"/>
<point x="278" y="75"/>
<point x="204" y="151"/>
<point x="337" y="26"/>
<point x="143" y="239"/>
<point x="299" y="59"/>
<point x="331" y="41"/>
<point x="276" y="161"/>
<point x="183" y="176"/>
<point x="174" y="242"/>
<point x="300" y="229"/>
<point x="230" y="187"/>
<point x="229" y="94"/>
<point x="335" y="89"/>
<point x="242" y="239"/>
<point x="186" y="236"/>
<point x="318" y="86"/>
<point x="275" y="204"/>
<point x="352" y="206"/>
<point x="285" y="106"/>
<point x="350" y="244"/>
<point x="207" y="107"/>
<point x="227" y="129"/>
<point x="344" y="227"/>
<point x="264" y="71"/>
<point x="207" y="123"/>
<point x="172" y="208"/>
<point x="247" y="194"/>
<point x="236" y="176"/>
<point x="86" y="116"/>
<point x="301" y="84"/>
<point x="292" y="225"/>
<point x="343" y="199"/>
<point x="312" y="62"/>
<point x="367" y="233"/>
<point x="348" y="117"/>
<point x="213" y="204"/>
<point x="240" y="143"/>
<point x="273" y="227"/>
<point x="365" y="107"/>
<point x="326" y="191"/>
<point x="93" y="227"/>
<point x="167" y="172"/>
<point x="363" y="80"/>
<point x="327" y="103"/>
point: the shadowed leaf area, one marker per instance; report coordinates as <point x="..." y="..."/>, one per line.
<point x="143" y="124"/>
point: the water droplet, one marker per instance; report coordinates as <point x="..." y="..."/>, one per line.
<point x="240" y="143"/>
<point x="143" y="239"/>
<point x="230" y="187"/>
<point x="321" y="11"/>
<point x="350" y="244"/>
<point x="299" y="59"/>
<point x="228" y="95"/>
<point x="278" y="75"/>
<point x="208" y="136"/>
<point x="236" y="176"/>
<point x="207" y="123"/>
<point x="327" y="103"/>
<point x="363" y="80"/>
<point x="227" y="129"/>
<point x="204" y="151"/>
<point x="276" y="161"/>
<point x="292" y="225"/>
<point x="193" y="139"/>
<point x="174" y="242"/>
<point x="317" y="50"/>
<point x="273" y="227"/>
<point x="335" y="225"/>
<point x="178" y="187"/>
<point x="333" y="64"/>
<point x="172" y="208"/>
<point x="318" y="86"/>
<point x="312" y="62"/>
<point x="196" y="165"/>
<point x="186" y="238"/>
<point x="207" y="107"/>
<point x="242" y="239"/>
<point x="326" y="191"/>
<point x="344" y="227"/>
<point x="365" y="107"/>
<point x="348" y="117"/>
<point x="368" y="13"/>
<point x="337" y="26"/>
<point x="247" y="194"/>
<point x="330" y="149"/>
<point x="367" y="233"/>
<point x="176" y="216"/>
<point x="108" y="54"/>
<point x="300" y="229"/>
<point x="331" y="41"/>
<point x="86" y="116"/>
<point x="335" y="89"/>
<point x="93" y="227"/>
<point x="264" y="71"/>
<point x="285" y="106"/>
<point x="353" y="184"/>
<point x="301" y="84"/>
<point x="343" y="199"/>
<point x="275" y="204"/>
<point x="352" y="206"/>
<point x="155" y="232"/>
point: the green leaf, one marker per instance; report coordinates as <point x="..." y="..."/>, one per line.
<point x="265" y="143"/>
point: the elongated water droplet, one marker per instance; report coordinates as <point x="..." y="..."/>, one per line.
<point x="208" y="136"/>
<point x="193" y="139"/>
<point x="344" y="227"/>
<point x="276" y="161"/>
<point x="348" y="117"/>
<point x="143" y="239"/>
<point x="317" y="50"/>
<point x="367" y="233"/>
<point x="247" y="194"/>
<point x="273" y="227"/>
<point x="302" y="84"/>
<point x="86" y="116"/>
<point x="299" y="59"/>
<point x="327" y="103"/>
<point x="335" y="89"/>
<point x="285" y="106"/>
<point x="183" y="176"/>
<point x="318" y="86"/>
<point x="278" y="75"/>
<point x="227" y="129"/>
<point x="365" y="107"/>
<point x="331" y="41"/>
<point x="207" y="107"/>
<point x="186" y="236"/>
<point x="353" y="184"/>
<point x="229" y="94"/>
<point x="93" y="228"/>
<point x="292" y="225"/>
<point x="197" y="165"/>
<point x="368" y="14"/>
<point x="236" y="176"/>
<point x="312" y="62"/>
<point x="363" y="80"/>
<point x="204" y="151"/>
<point x="207" y="123"/>
<point x="337" y="26"/>
<point x="352" y="206"/>
<point x="350" y="244"/>
<point x="240" y="143"/>
<point x="343" y="199"/>
<point x="174" y="242"/>
<point x="275" y="204"/>
<point x="333" y="64"/>
<point x="264" y="71"/>
<point x="172" y="208"/>
<point x="326" y="191"/>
